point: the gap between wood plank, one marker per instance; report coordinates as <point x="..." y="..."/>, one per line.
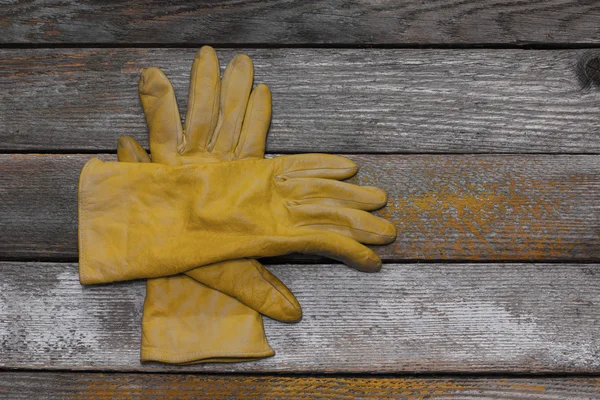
<point x="524" y="45"/>
<point x="350" y="375"/>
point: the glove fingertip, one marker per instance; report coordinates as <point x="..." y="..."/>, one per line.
<point x="206" y="50"/>
<point x="129" y="150"/>
<point x="381" y="196"/>
<point x="153" y="82"/>
<point x="371" y="263"/>
<point x="291" y="315"/>
<point x="242" y="59"/>
<point x="389" y="231"/>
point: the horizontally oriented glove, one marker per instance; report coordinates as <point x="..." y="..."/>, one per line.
<point x="145" y="220"/>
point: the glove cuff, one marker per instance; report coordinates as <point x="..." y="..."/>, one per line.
<point x="185" y="322"/>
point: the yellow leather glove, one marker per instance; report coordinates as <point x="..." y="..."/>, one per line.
<point x="186" y="322"/>
<point x="189" y="319"/>
<point x="146" y="220"/>
<point x="179" y="155"/>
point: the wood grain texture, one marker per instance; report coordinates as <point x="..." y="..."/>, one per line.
<point x="324" y="100"/>
<point x="446" y="207"/>
<point x="27" y="385"/>
<point x="281" y="22"/>
<point x="407" y="318"/>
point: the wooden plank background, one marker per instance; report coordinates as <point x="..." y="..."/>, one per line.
<point x="297" y="22"/>
<point x="435" y="318"/>
<point x="324" y="100"/>
<point x="489" y="150"/>
<point x="184" y="387"/>
<point x="445" y="207"/>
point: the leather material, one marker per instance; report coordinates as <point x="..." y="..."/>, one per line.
<point x="146" y="220"/>
<point x="183" y="321"/>
<point x="203" y="126"/>
<point x="186" y="322"/>
<point x="186" y="328"/>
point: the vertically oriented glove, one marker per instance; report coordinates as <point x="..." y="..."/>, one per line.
<point x="190" y="318"/>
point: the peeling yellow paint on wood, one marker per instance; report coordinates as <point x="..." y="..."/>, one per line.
<point x="183" y="386"/>
<point x="473" y="208"/>
<point x="534" y="388"/>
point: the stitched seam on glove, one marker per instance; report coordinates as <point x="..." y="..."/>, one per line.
<point x="331" y="198"/>
<point x="344" y="226"/>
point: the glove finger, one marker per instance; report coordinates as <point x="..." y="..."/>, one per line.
<point x="332" y="245"/>
<point x="314" y="166"/>
<point x="357" y="224"/>
<point x="203" y="102"/>
<point x="235" y="91"/>
<point x="129" y="150"/>
<point x="252" y="284"/>
<point x="333" y="193"/>
<point x="256" y="124"/>
<point x="162" y="116"/>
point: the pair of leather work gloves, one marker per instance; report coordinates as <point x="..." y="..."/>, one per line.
<point x="193" y="218"/>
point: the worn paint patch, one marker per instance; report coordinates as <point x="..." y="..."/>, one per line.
<point x="47" y="320"/>
<point x="475" y="208"/>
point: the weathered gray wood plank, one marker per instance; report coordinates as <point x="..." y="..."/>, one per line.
<point x="299" y="22"/>
<point x="408" y="318"/>
<point x="49" y="385"/>
<point x="446" y="207"/>
<point x="325" y="100"/>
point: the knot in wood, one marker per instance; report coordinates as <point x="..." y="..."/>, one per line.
<point x="588" y="70"/>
